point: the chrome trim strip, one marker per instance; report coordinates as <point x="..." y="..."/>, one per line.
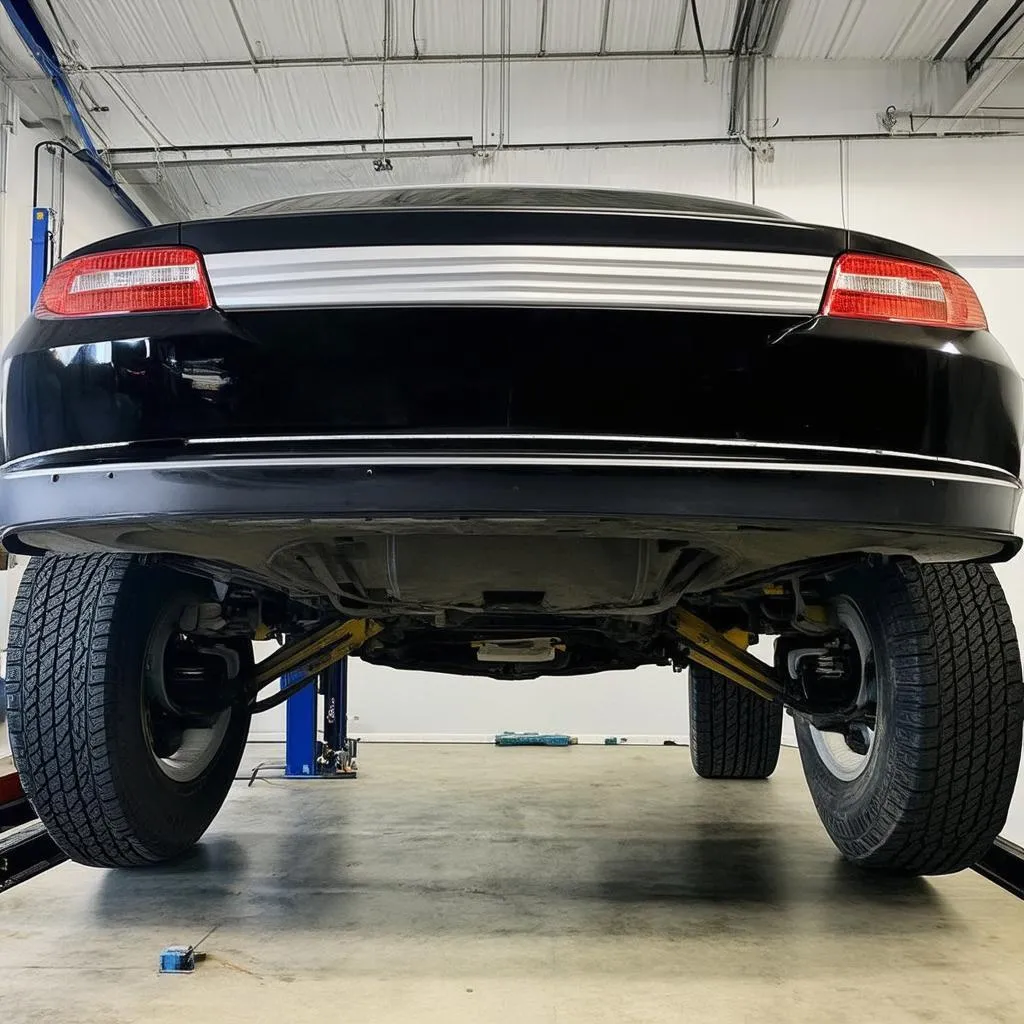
<point x="436" y="461"/>
<point x="772" y="446"/>
<point x="711" y="442"/>
<point x="716" y="280"/>
<point x="105" y="446"/>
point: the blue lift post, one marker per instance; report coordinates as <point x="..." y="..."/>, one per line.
<point x="300" y="730"/>
<point x="334" y="686"/>
<point x="305" y="756"/>
<point x="40" y="252"/>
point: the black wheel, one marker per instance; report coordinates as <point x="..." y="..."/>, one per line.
<point x="922" y="782"/>
<point x="123" y="731"/>
<point x="734" y="733"/>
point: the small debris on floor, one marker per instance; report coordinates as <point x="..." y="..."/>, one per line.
<point x="534" y="739"/>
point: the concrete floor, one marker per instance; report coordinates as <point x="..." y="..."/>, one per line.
<point x="471" y="883"/>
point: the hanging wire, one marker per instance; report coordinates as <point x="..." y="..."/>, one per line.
<point x="508" y="66"/>
<point x="483" y="73"/>
<point x="844" y="182"/>
<point x="57" y="169"/>
<point x="503" y="71"/>
<point x="382" y="163"/>
<point x="501" y="74"/>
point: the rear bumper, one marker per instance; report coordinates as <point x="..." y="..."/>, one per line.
<point x="903" y="439"/>
<point x="165" y="381"/>
<point x="911" y="504"/>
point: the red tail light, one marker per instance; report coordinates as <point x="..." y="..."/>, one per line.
<point x="878" y="288"/>
<point x="167" y="279"/>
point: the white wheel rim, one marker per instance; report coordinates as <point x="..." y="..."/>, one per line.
<point x="831" y="747"/>
<point x="198" y="749"/>
<point x="199" y="746"/>
<point x="836" y="755"/>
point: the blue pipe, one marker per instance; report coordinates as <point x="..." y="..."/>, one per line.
<point x="33" y="35"/>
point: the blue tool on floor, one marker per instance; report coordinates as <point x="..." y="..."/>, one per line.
<point x="179" y="959"/>
<point x="533" y="739"/>
<point x="183" y="959"/>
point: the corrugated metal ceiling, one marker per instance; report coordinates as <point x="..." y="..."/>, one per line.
<point x="887" y="29"/>
<point x="111" y="33"/>
<point x="173" y="74"/>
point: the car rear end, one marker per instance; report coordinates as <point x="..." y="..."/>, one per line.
<point x="514" y="433"/>
<point x="534" y="355"/>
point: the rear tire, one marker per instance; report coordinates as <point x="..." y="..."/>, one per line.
<point x="933" y="790"/>
<point x="82" y="722"/>
<point x="734" y="733"/>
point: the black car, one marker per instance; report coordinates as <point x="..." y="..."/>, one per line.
<point x="514" y="432"/>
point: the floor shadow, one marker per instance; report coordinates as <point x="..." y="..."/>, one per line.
<point x="745" y="866"/>
<point x="319" y="865"/>
<point x="908" y="901"/>
<point x="206" y="880"/>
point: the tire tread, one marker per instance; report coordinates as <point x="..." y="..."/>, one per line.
<point x="959" y="700"/>
<point x="734" y="733"/>
<point x="75" y="650"/>
<point x="60" y="621"/>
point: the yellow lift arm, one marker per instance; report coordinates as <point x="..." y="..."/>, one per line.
<point x="725" y="653"/>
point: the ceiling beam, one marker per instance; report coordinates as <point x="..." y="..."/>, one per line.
<point x="768" y="32"/>
<point x="755" y="33"/>
<point x="124" y="161"/>
<point x="996" y="36"/>
<point x="991" y="74"/>
<point x="272" y="64"/>
<point x="964" y="25"/>
<point x="738" y="48"/>
<point x="276" y="152"/>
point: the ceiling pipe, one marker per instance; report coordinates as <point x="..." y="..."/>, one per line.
<point x="287" y="63"/>
<point x="34" y="36"/>
<point x="127" y="160"/>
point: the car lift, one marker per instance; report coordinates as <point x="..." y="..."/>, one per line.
<point x="726" y="654"/>
<point x="321" y="657"/>
<point x="333" y="757"/>
<point x="27" y="850"/>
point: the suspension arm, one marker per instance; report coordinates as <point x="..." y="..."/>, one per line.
<point x="716" y="651"/>
<point x="309" y="656"/>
